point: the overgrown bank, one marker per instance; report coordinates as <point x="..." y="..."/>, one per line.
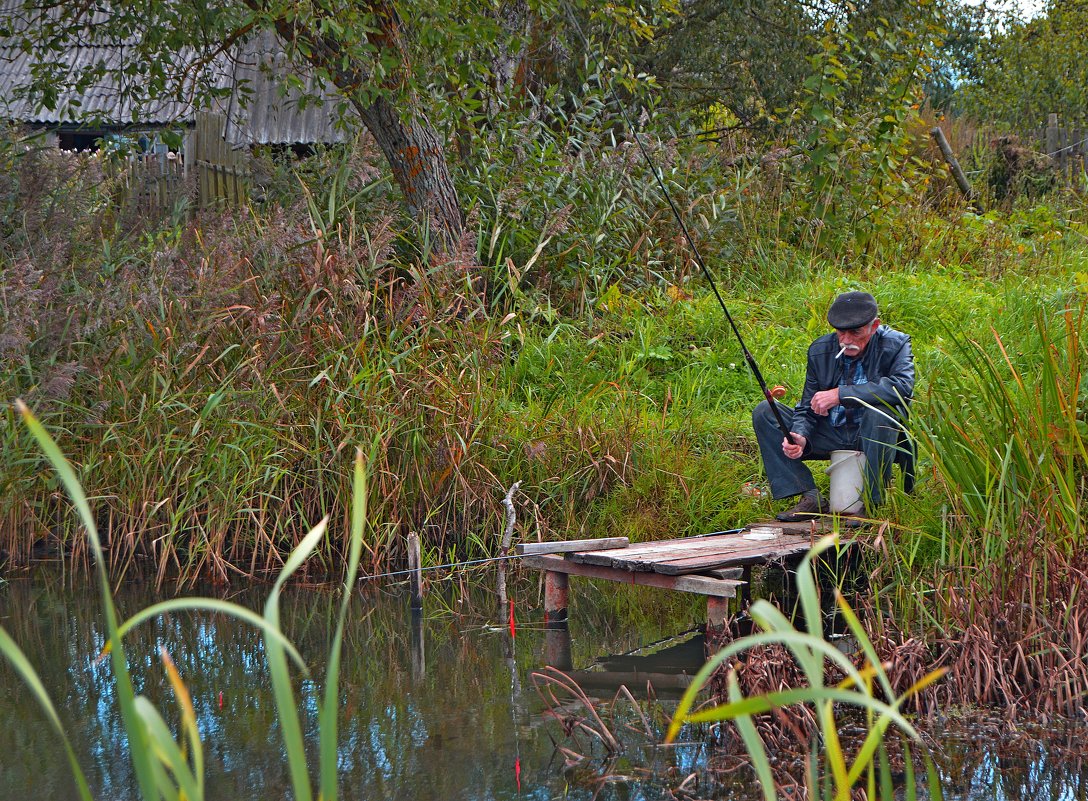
<point x="212" y="376"/>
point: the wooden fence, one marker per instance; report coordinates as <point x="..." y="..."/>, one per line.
<point x="156" y="180"/>
<point x="1068" y="147"/>
<point x="150" y="181"/>
<point x="223" y="173"/>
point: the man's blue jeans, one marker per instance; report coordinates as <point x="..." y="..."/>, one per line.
<point x="876" y="436"/>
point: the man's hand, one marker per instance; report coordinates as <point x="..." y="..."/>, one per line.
<point x="824" y="401"/>
<point x="794" y="449"/>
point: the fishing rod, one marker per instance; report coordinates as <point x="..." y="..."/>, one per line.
<point x="687" y="235"/>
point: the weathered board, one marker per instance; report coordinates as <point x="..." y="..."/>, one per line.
<point x="672" y="683"/>
<point x="696" y="554"/>
<point x="568" y="546"/>
<point x="700" y="585"/>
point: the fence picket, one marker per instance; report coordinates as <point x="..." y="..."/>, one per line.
<point x="223" y="172"/>
<point x="1069" y="150"/>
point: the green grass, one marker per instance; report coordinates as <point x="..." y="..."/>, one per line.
<point x="213" y="426"/>
<point x="210" y="378"/>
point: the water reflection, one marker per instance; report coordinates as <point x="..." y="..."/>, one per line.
<point x="989" y="760"/>
<point x="434" y="710"/>
<point x="439" y="710"/>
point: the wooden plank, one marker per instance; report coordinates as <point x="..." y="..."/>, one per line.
<point x="705" y="563"/>
<point x="734" y="550"/>
<point x="809" y="528"/>
<point x="635" y="681"/>
<point x="701" y="541"/>
<point x="638" y="549"/>
<point x="732" y="573"/>
<point x="634" y="554"/>
<point x="649" y="549"/>
<point x="567" y="546"/>
<point x="701" y="563"/>
<point x="648" y="560"/>
<point x="699" y="585"/>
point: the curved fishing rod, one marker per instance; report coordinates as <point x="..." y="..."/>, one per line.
<point x="687" y="235"/>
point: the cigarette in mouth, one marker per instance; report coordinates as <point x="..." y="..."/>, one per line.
<point x="841" y="352"/>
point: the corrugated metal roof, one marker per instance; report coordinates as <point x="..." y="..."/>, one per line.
<point x="266" y="110"/>
<point x="261" y="108"/>
<point x="108" y="100"/>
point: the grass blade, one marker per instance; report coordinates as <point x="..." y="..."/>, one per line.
<point x="328" y="734"/>
<point x="126" y="694"/>
<point x="188" y="721"/>
<point x="166" y="749"/>
<point x="753" y="743"/>
<point x="284" y="695"/>
<point x="11" y="651"/>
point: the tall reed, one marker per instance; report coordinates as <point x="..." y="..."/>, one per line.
<point x="1006" y="430"/>
<point x="164" y="767"/>
<point x="1002" y="604"/>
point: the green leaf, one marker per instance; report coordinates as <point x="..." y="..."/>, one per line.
<point x="11" y="651"/>
<point x="166" y="750"/>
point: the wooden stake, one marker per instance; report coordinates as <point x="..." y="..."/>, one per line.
<point x="954" y="166"/>
<point x="507" y="537"/>
<point x="1053" y="138"/>
<point x="416" y="566"/>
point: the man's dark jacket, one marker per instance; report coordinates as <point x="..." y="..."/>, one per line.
<point x="889" y="369"/>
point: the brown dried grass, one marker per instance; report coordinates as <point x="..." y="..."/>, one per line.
<point x="1014" y="639"/>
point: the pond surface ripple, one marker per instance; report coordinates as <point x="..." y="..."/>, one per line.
<point x="459" y="720"/>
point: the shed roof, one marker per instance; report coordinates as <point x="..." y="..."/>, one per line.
<point x="262" y="107"/>
<point x="265" y="109"/>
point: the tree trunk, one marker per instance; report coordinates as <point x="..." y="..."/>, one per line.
<point x="514" y="17"/>
<point x="409" y="143"/>
<point x="418" y="160"/>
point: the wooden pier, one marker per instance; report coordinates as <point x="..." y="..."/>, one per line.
<point x="717" y="566"/>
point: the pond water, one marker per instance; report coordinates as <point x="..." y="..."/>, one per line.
<point x="458" y="718"/>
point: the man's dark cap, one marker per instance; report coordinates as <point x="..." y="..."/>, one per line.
<point x="852" y="309"/>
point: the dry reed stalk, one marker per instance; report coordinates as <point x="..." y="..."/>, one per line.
<point x="1015" y="638"/>
<point x="548" y="682"/>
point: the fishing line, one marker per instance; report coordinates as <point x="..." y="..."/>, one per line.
<point x="490" y="559"/>
<point x="444" y="567"/>
<point x="684" y="228"/>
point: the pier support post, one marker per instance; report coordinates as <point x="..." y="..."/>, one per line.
<point x="418" y="655"/>
<point x="556" y="593"/>
<point x="557" y="648"/>
<point x="717" y="621"/>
